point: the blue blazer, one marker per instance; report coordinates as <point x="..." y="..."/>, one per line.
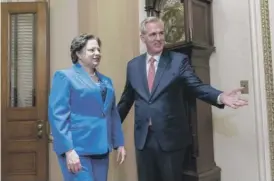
<point x="79" y="118"/>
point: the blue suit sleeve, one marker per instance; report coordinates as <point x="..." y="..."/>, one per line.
<point x="59" y="113"/>
<point x="117" y="134"/>
<point x="127" y="98"/>
<point x="202" y="91"/>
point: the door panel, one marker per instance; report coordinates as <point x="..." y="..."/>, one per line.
<point x="24" y="91"/>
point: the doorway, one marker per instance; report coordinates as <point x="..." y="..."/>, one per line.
<point x="24" y="91"/>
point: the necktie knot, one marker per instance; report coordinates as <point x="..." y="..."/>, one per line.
<point x="152" y="60"/>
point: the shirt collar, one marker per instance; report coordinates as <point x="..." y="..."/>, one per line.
<point x="156" y="57"/>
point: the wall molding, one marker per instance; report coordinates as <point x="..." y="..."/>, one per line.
<point x="269" y="86"/>
<point x="263" y="86"/>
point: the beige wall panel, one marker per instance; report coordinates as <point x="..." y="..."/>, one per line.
<point x="63" y="28"/>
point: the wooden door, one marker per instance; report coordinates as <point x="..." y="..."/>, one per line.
<point x="24" y="91"/>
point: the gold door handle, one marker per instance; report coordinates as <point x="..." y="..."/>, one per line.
<point x="40" y="126"/>
<point x="40" y="134"/>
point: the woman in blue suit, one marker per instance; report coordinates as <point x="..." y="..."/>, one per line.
<point x="83" y="117"/>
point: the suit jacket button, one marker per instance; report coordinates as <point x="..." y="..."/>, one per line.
<point x="149" y="102"/>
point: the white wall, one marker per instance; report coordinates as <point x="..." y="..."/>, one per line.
<point x="234" y="130"/>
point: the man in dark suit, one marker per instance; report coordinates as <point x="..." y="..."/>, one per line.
<point x="155" y="81"/>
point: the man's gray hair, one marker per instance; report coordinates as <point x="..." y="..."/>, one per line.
<point x="151" y="19"/>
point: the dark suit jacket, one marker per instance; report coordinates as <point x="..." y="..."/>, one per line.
<point x="165" y="104"/>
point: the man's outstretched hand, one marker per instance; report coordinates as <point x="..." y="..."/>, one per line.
<point x="232" y="99"/>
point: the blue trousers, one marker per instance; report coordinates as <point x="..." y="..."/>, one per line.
<point x="93" y="169"/>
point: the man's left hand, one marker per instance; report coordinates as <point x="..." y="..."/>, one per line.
<point x="232" y="99"/>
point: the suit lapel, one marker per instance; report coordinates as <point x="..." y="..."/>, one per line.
<point x="83" y="76"/>
<point x="163" y="62"/>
